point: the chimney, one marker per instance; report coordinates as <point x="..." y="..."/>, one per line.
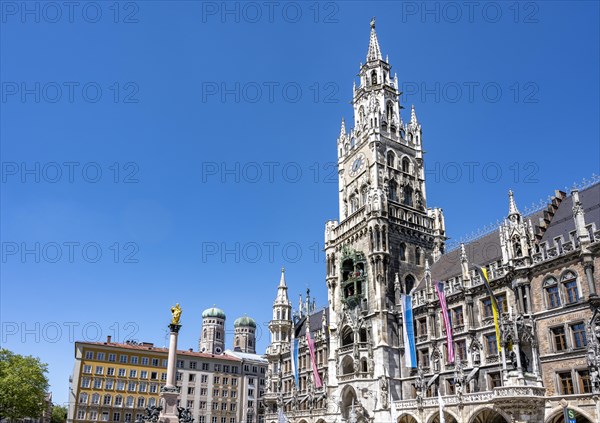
<point x="108" y="339"/>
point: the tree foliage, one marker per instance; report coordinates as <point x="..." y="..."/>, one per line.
<point x="59" y="414"/>
<point x="23" y="386"/>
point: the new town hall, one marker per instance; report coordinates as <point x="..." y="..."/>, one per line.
<point x="543" y="271"/>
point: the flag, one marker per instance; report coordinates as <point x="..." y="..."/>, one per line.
<point x="439" y="288"/>
<point x="484" y="277"/>
<point x="410" y="352"/>
<point x="311" y="350"/>
<point x="441" y="404"/>
<point x="294" y="357"/>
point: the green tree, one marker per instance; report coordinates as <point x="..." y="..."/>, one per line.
<point x="59" y="414"/>
<point x="23" y="386"/>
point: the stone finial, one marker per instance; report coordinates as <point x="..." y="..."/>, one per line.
<point x="413" y="115"/>
<point x="512" y="206"/>
<point x="343" y="128"/>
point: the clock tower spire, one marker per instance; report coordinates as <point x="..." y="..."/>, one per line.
<point x="385" y="233"/>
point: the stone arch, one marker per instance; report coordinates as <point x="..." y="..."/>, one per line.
<point x="347" y="365"/>
<point x="348" y="397"/>
<point x="347" y="336"/>
<point x="486" y="414"/>
<point x="557" y="416"/>
<point x="449" y="417"/>
<point x="407" y="418"/>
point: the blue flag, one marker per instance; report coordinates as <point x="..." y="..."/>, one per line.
<point x="410" y="351"/>
<point x="294" y="357"/>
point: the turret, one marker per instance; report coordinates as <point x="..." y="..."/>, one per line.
<point x="281" y="324"/>
<point x="244" y="338"/>
<point x="212" y="339"/>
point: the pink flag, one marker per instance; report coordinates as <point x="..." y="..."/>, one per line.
<point x="440" y="293"/>
<point x="311" y="349"/>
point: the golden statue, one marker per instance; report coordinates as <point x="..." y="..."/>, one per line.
<point x="176" y="312"/>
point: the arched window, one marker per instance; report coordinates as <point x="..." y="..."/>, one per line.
<point x="129" y="402"/>
<point x="409" y="282"/>
<point x="151" y="402"/>
<point x="140" y="402"/>
<point x="363" y="365"/>
<point x="389" y="111"/>
<point x="118" y="400"/>
<point x="107" y="399"/>
<point x="516" y="241"/>
<point x="83" y="398"/>
<point x="393" y="187"/>
<point x="347" y="336"/>
<point x="347" y="365"/>
<point x="363" y="335"/>
<point x="353" y="203"/>
<point x="410" y="136"/>
<point x="569" y="282"/>
<point x="96" y="399"/>
<point x="403" y="252"/>
<point x="408" y="192"/>
<point x="218" y="334"/>
<point x="374" y="77"/>
<point x="418" y="256"/>
<point x="352" y="142"/>
<point x="552" y="293"/>
<point x="405" y="165"/>
<point x="391" y="159"/>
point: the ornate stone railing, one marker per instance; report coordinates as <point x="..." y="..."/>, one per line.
<point x="519" y="391"/>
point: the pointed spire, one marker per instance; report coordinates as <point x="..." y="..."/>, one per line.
<point x="282" y="297"/>
<point x="413" y="115"/>
<point x="343" y="128"/>
<point x="374" y="52"/>
<point x="512" y="206"/>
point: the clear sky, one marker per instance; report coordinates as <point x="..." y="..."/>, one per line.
<point x="157" y="152"/>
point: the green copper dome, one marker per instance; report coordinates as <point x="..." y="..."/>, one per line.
<point x="244" y="321"/>
<point x="213" y="312"/>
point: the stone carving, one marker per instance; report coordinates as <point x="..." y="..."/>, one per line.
<point x="459" y="379"/>
<point x="420" y="385"/>
<point x="593" y="356"/>
<point x="383" y="387"/>
<point x="184" y="415"/>
<point x="152" y="414"/>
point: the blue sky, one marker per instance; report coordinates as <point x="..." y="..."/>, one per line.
<point x="161" y="152"/>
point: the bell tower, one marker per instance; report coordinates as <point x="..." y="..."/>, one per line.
<point x="384" y="236"/>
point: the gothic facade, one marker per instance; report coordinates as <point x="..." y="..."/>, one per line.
<point x="388" y="243"/>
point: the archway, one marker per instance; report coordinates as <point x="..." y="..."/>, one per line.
<point x="348" y="400"/>
<point x="347" y="365"/>
<point x="487" y="415"/>
<point x="558" y="417"/>
<point x="407" y="418"/>
<point x="448" y="418"/>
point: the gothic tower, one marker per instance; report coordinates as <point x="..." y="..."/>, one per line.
<point x="384" y="236"/>
<point x="212" y="339"/>
<point x="281" y="324"/>
<point x="244" y="338"/>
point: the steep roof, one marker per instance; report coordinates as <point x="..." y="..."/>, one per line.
<point x="315" y="321"/>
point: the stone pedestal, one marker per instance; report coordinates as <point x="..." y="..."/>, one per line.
<point x="170" y="393"/>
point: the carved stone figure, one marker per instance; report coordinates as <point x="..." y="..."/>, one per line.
<point x="185" y="415"/>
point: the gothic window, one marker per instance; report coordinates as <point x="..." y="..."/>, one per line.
<point x="461" y="350"/>
<point x="418" y="256"/>
<point x="389" y="111"/>
<point x="391" y="159"/>
<point x="393" y="187"/>
<point x="410" y="283"/>
<point x="363" y="335"/>
<point x="569" y="281"/>
<point x="423" y="357"/>
<point x="353" y="204"/>
<point x="374" y="77"/>
<point x="552" y="293"/>
<point x="352" y="142"/>
<point x="363" y="195"/>
<point x="405" y="165"/>
<point x="408" y="191"/>
<point x="347" y="365"/>
<point x="402" y="134"/>
<point x="410" y="136"/>
<point x="347" y="336"/>
<point x="361" y="116"/>
<point x="402" y="252"/>
<point x="363" y="365"/>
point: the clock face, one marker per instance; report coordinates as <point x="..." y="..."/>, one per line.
<point x="357" y="164"/>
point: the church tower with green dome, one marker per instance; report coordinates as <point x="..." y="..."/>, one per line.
<point x="212" y="339"/>
<point x="244" y="338"/>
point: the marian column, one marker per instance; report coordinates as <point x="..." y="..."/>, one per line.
<point x="169" y="393"/>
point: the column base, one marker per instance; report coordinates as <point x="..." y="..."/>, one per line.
<point x="169" y="412"/>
